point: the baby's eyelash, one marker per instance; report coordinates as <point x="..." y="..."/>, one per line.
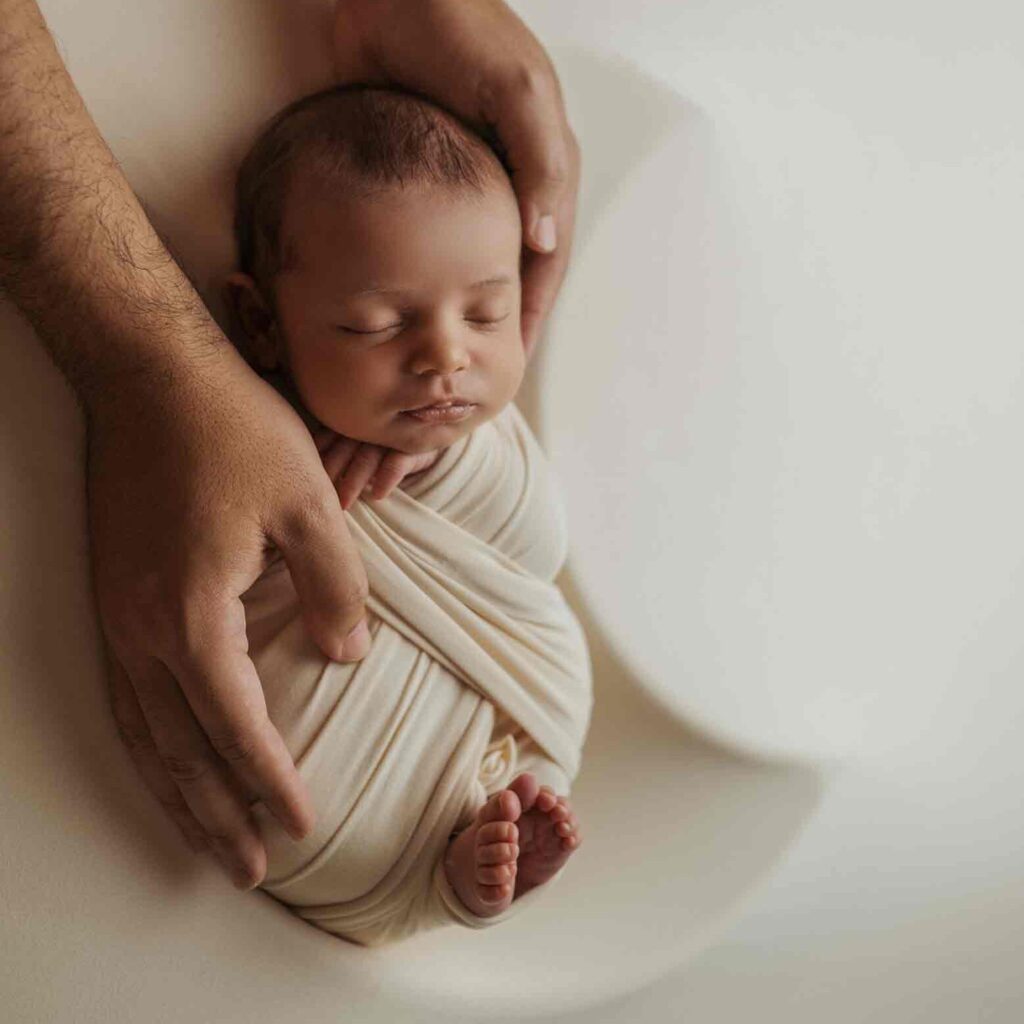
<point x="381" y="330"/>
<point x="498" y="321"/>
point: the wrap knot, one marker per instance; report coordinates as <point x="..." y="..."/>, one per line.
<point x="498" y="764"/>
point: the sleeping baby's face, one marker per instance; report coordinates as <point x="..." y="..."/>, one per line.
<point x="403" y="300"/>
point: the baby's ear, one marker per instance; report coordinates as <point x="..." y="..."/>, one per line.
<point x="253" y="320"/>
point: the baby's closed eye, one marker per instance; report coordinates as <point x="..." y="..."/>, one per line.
<point x="477" y="319"/>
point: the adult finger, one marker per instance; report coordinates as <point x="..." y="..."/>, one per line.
<point x="191" y="759"/>
<point x="544" y="157"/>
<point x="528" y="115"/>
<point x="135" y="735"/>
<point x="219" y="682"/>
<point x="328" y="575"/>
<point x="542" y="273"/>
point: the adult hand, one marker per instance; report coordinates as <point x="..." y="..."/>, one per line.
<point x="194" y="464"/>
<point x="188" y="480"/>
<point x="481" y="62"/>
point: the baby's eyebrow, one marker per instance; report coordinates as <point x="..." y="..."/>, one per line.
<point x="382" y="290"/>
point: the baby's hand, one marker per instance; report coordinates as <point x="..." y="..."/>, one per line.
<point x="357" y="466"/>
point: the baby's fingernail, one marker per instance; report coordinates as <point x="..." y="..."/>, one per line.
<point x="357" y="643"/>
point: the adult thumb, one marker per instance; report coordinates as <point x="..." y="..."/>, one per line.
<point x="330" y="580"/>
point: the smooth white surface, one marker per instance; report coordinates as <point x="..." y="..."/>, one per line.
<point x="856" y="170"/>
<point x="787" y="389"/>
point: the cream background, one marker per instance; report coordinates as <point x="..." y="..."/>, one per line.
<point x="793" y="277"/>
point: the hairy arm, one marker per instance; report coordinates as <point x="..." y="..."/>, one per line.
<point x="77" y="252"/>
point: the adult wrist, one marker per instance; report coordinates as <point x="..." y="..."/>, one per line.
<point x="164" y="368"/>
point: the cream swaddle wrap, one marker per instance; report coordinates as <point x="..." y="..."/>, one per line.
<point x="478" y="670"/>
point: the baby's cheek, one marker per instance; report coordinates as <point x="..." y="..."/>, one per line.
<point x="513" y="367"/>
<point x="334" y="407"/>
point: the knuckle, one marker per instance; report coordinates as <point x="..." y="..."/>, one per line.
<point x="534" y="80"/>
<point x="184" y="769"/>
<point x="175" y="805"/>
<point x="132" y="732"/>
<point x="368" y="454"/>
<point x="192" y="624"/>
<point x="223" y="833"/>
<point x="234" y="746"/>
<point x="308" y="519"/>
<point x="558" y="170"/>
<point x="554" y="167"/>
<point x="354" y="593"/>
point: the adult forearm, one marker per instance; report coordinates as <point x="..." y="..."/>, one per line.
<point x="77" y="252"/>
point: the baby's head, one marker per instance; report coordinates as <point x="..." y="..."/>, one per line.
<point x="378" y="251"/>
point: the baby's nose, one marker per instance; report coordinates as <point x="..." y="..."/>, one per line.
<point x="442" y="352"/>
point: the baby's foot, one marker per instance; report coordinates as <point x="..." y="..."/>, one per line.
<point x="480" y="861"/>
<point x="548" y="837"/>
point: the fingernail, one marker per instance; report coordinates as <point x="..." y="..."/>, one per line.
<point x="544" y="232"/>
<point x="239" y="875"/>
<point x="357" y="643"/>
<point x="294" y="826"/>
<point x="241" y="879"/>
<point x="297" y="833"/>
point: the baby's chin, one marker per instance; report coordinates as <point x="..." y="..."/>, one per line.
<point x="414" y="437"/>
<point x="408" y="435"/>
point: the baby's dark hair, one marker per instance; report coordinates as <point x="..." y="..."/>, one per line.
<point x="362" y="140"/>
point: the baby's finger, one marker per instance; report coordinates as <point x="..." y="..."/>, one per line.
<point x="358" y="473"/>
<point x="337" y="457"/>
<point x="393" y="469"/>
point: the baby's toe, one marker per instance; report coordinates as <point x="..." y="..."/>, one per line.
<point x="565" y="829"/>
<point x="495" y="874"/>
<point x="493" y="893"/>
<point x="503" y="806"/>
<point x="559" y="813"/>
<point x="497" y="832"/>
<point x="497" y="853"/>
<point x="546" y="799"/>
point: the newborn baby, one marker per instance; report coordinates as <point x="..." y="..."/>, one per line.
<point x="379" y="243"/>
